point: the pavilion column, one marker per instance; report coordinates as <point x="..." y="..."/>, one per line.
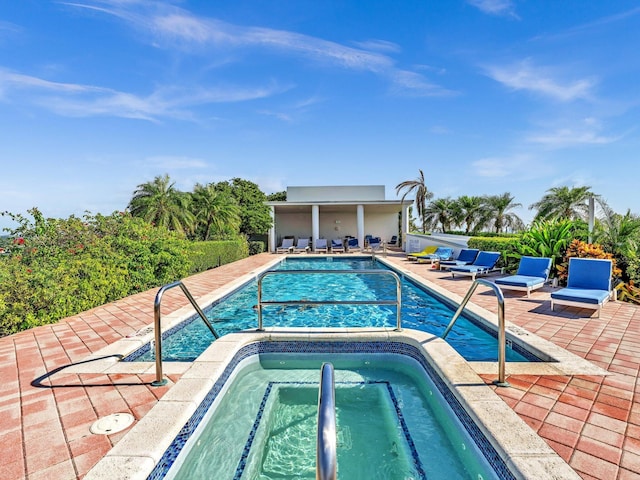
<point x="405" y="226"/>
<point x="315" y="224"/>
<point x="360" y="224"/>
<point x="272" y="230"/>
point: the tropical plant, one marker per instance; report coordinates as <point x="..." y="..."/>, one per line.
<point x="547" y="239"/>
<point x="255" y="217"/>
<point x="160" y="203"/>
<point x="422" y="195"/>
<point x="563" y="203"/>
<point x="620" y="235"/>
<point x="216" y="213"/>
<point x="277" y="196"/>
<point x="440" y="211"/>
<point x="468" y="210"/>
<point x="497" y="211"/>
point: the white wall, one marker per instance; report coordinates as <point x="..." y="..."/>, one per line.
<point x="336" y="193"/>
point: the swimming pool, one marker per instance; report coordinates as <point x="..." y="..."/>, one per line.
<point x="393" y="420"/>
<point x="420" y="311"/>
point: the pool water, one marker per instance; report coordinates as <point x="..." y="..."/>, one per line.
<point x="392" y="423"/>
<point x="420" y="310"/>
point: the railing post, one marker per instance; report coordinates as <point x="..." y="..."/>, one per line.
<point x="502" y="337"/>
<point x="157" y="324"/>
<point x="326" y="447"/>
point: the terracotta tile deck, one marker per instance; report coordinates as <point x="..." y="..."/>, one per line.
<point x="593" y="422"/>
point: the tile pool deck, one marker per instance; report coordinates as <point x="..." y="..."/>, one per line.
<point x="593" y="422"/>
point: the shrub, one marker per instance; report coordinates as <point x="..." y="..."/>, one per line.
<point x="206" y="255"/>
<point x="578" y="248"/>
<point x="256" y="247"/>
<point x="507" y="246"/>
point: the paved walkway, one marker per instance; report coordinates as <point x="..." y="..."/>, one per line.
<point x="593" y="422"/>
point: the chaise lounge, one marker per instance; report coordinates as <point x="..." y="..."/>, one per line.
<point x="321" y="245"/>
<point x="286" y="246"/>
<point x="426" y="251"/>
<point x="337" y="246"/>
<point x="441" y="253"/>
<point x="533" y="273"/>
<point x="588" y="284"/>
<point x="465" y="257"/>
<point x="484" y="264"/>
<point x="302" y="246"/>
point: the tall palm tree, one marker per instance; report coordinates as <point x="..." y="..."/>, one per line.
<point x="563" y="203"/>
<point x="468" y="211"/>
<point x="160" y="203"/>
<point x="497" y="207"/>
<point x="440" y="211"/>
<point x="422" y="194"/>
<point x="215" y="212"/>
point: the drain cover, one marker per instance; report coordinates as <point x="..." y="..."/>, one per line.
<point x="116" y="422"/>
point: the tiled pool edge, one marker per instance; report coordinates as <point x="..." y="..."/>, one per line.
<point x="144" y="445"/>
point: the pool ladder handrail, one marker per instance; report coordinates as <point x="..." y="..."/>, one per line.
<point x="157" y="321"/>
<point x="326" y="446"/>
<point x="500" y="382"/>
<point x="397" y="302"/>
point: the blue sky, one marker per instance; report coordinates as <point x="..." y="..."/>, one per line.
<point x="485" y="96"/>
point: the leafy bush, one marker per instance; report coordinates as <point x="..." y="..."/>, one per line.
<point x="56" y="268"/>
<point x="548" y="239"/>
<point x="507" y="246"/>
<point x="206" y="255"/>
<point x="256" y="248"/>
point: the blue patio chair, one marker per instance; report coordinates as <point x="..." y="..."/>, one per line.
<point x="393" y="241"/>
<point x="375" y="243"/>
<point x="533" y="272"/>
<point x="441" y="253"/>
<point x="466" y="256"/>
<point x="353" y="246"/>
<point x="337" y="246"/>
<point x="286" y="246"/>
<point x="588" y="284"/>
<point x="321" y="245"/>
<point x="484" y="264"/>
<point x="302" y="246"/>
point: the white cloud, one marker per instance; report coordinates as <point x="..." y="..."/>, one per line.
<point x="495" y="7"/>
<point x="584" y="132"/>
<point x="174" y="27"/>
<point x="517" y="167"/>
<point x="77" y="100"/>
<point x="168" y="162"/>
<point x="525" y="76"/>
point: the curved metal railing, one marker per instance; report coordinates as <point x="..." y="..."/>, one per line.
<point x="397" y="301"/>
<point x="326" y="446"/>
<point x="501" y="333"/>
<point x="160" y="380"/>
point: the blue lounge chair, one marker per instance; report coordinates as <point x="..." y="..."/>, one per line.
<point x="588" y="284"/>
<point x="533" y="272"/>
<point x="337" y="246"/>
<point x="301" y="246"/>
<point x="466" y="256"/>
<point x="441" y="253"/>
<point x="352" y="245"/>
<point x="321" y="245"/>
<point x="375" y="243"/>
<point x="393" y="241"/>
<point x="286" y="247"/>
<point x="484" y="264"/>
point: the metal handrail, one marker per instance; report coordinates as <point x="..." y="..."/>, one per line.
<point x="326" y="446"/>
<point x="397" y="302"/>
<point x="500" y="382"/>
<point x="160" y="380"/>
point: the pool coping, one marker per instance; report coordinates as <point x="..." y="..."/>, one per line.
<point x="525" y="453"/>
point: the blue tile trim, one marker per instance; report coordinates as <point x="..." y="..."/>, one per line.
<point x="483" y="444"/>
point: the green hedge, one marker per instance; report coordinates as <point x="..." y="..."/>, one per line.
<point x="206" y="255"/>
<point x="507" y="246"/>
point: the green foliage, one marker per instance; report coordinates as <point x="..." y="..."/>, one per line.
<point x="277" y="197"/>
<point x="256" y="247"/>
<point x="206" y="255"/>
<point x="507" y="246"/>
<point x="255" y="217"/>
<point x="548" y="239"/>
<point x="60" y="267"/>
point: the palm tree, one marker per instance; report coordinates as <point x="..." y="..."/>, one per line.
<point x="497" y="208"/>
<point x="563" y="203"/>
<point x="468" y="211"/>
<point x="214" y="211"/>
<point x="422" y="195"/>
<point x="159" y="202"/>
<point x="440" y="211"/>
